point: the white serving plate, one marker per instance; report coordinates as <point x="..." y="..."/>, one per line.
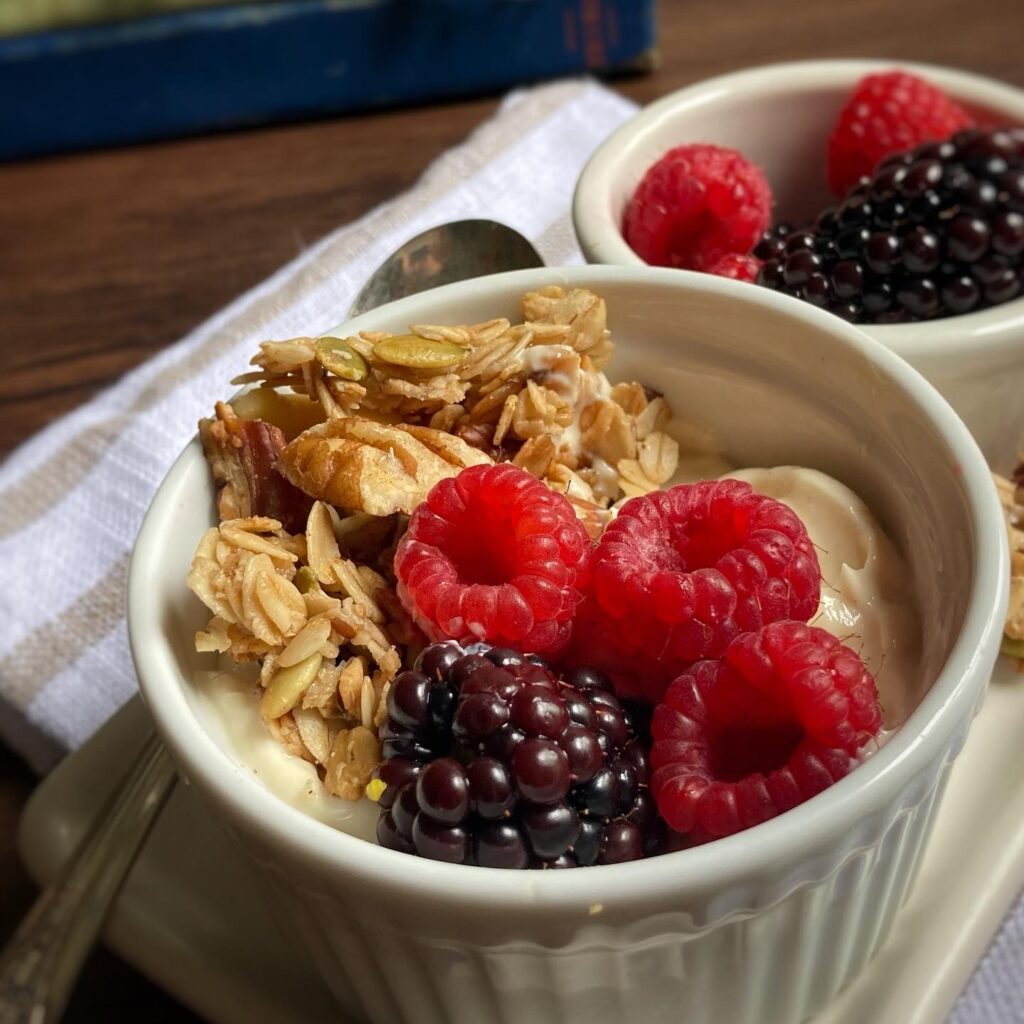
<point x="191" y="916"/>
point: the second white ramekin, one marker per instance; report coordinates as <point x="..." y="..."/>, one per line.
<point x="780" y="116"/>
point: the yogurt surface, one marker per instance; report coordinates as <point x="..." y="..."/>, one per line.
<point x="867" y="594"/>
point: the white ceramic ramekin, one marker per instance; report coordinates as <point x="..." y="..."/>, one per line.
<point x="763" y="926"/>
<point x="780" y="116"/>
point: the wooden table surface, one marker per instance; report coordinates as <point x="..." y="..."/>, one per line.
<point x="107" y="257"/>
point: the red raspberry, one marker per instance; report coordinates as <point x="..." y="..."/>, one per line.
<point x="680" y="573"/>
<point x="887" y="113"/>
<point x="494" y="554"/>
<point x="737" y="266"/>
<point x="695" y="205"/>
<point x="781" y="718"/>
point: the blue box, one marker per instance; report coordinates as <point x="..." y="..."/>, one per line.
<point x="203" y="70"/>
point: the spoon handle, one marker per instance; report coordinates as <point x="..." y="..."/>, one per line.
<point x="40" y="964"/>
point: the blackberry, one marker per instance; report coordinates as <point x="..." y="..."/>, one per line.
<point x="772" y="243"/>
<point x="934" y="232"/>
<point x="492" y="759"/>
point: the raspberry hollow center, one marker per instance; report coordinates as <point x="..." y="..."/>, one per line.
<point x="698" y="540"/>
<point x="737" y="751"/>
<point x="703" y="543"/>
<point x="494" y="554"/>
<point x="482" y="549"/>
<point x="660" y="551"/>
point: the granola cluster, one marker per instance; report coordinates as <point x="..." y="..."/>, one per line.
<point x="328" y="632"/>
<point x="531" y="393"/>
<point x="1011" y="494"/>
<point x="339" y="439"/>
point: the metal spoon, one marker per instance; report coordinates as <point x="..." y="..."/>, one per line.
<point x="41" y="962"/>
<point x="443" y="255"/>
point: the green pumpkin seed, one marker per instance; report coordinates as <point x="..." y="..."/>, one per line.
<point x="288" y="685"/>
<point x="416" y="353"/>
<point x="305" y="580"/>
<point x="341" y="359"/>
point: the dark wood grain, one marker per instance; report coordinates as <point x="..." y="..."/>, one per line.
<point x="107" y="257"/>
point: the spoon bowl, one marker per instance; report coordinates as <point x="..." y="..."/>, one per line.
<point x="445" y="254"/>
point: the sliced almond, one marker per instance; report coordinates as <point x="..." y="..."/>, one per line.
<point x="287" y="687"/>
<point x="306" y="642"/>
<point x="313" y="732"/>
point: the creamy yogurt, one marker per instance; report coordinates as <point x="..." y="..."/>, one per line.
<point x="581" y="390"/>
<point x="867" y="594"/>
<point x="232" y="698"/>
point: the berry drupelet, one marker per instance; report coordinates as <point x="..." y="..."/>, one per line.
<point x="937" y="231"/>
<point x="491" y="759"/>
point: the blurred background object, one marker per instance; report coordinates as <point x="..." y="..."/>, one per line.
<point x="20" y="17"/>
<point x="95" y="72"/>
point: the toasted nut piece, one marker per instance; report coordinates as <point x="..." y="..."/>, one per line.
<point x="659" y="456"/>
<point x="287" y="687"/>
<point x="354" y="755"/>
<point x="283" y="356"/>
<point x="452" y="449"/>
<point x="631" y="396"/>
<point x="416" y="353"/>
<point x="285" y="730"/>
<point x="321" y="544"/>
<point x="367" y="703"/>
<point x="241" y="449"/>
<point x="633" y="480"/>
<point x="350" y="685"/>
<point x="655" y="416"/>
<point x="535" y="456"/>
<point x="508" y="410"/>
<point x="447" y="418"/>
<point x="348" y="473"/>
<point x="272" y="608"/>
<point x="322" y="691"/>
<point x="240" y="534"/>
<point x="341" y="359"/>
<point x="361" y="465"/>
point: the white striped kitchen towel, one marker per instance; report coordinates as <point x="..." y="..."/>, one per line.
<point x="73" y="497"/>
